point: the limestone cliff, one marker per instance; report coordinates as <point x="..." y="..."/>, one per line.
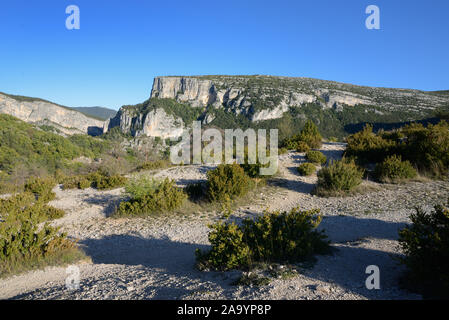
<point x="176" y="101"/>
<point x="39" y="111"/>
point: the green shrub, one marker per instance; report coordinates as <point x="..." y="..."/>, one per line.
<point x="366" y="146"/>
<point x="76" y="182"/>
<point x="102" y="181"/>
<point x="310" y="135"/>
<point x="227" y="181"/>
<point x="150" y="197"/>
<point x="41" y="188"/>
<point x="301" y="146"/>
<point x="339" y="176"/>
<point x="308" y="138"/>
<point x="306" y="169"/>
<point x="25" y="205"/>
<point x="393" y="169"/>
<point x="316" y="157"/>
<point x="425" y="244"/>
<point x="282" y="151"/>
<point x="24" y="246"/>
<point x="272" y="237"/>
<point x="98" y="180"/>
<point x="154" y="165"/>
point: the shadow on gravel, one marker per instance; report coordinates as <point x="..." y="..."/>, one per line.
<point x="341" y="229"/>
<point x="294" y="185"/>
<point x="107" y="201"/>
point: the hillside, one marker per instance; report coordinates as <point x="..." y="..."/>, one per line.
<point x="272" y="102"/>
<point x="43" y="112"/>
<point x="99" y="113"/>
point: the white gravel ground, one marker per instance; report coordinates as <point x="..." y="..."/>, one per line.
<point x="153" y="258"/>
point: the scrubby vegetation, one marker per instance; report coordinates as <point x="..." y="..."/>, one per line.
<point x="306" y="169"/>
<point x="273" y="237"/>
<point x="316" y="157"/>
<point x="393" y="169"/>
<point x="41" y="188"/>
<point x="426" y="148"/>
<point x="425" y="244"/>
<point x="308" y="138"/>
<point x="227" y="182"/>
<point x="99" y="180"/>
<point x="24" y="244"/>
<point x="150" y="196"/>
<point x="339" y="177"/>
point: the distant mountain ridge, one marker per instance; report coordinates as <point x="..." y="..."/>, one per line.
<point x="43" y="112"/>
<point x="100" y="113"/>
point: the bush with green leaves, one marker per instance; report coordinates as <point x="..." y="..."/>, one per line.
<point x="24" y="245"/>
<point x="427" y="148"/>
<point x="98" y="180"/>
<point x="150" y="196"/>
<point x="393" y="169"/>
<point x="425" y="244"/>
<point x="306" y="169"/>
<point x="310" y="135"/>
<point x="339" y="176"/>
<point x="26" y="205"/>
<point x="274" y="237"/>
<point x="227" y="181"/>
<point x="367" y="146"/>
<point x="302" y="146"/>
<point x="308" y="138"/>
<point x="41" y="188"/>
<point x="316" y="157"/>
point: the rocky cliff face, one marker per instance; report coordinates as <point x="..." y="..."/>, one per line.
<point x="152" y="123"/>
<point x="43" y="112"/>
<point x="264" y="97"/>
<point x="261" y="98"/>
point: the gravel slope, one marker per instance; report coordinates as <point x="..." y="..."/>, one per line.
<point x="153" y="258"/>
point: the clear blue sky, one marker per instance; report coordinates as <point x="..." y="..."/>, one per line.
<point x="122" y="45"/>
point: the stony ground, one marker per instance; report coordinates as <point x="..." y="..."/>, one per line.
<point x="153" y="258"/>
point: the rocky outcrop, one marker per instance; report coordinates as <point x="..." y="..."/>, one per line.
<point x="264" y="97"/>
<point x="152" y="123"/>
<point x="260" y="98"/>
<point x="43" y="112"/>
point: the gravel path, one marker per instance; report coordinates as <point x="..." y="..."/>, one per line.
<point x="153" y="258"/>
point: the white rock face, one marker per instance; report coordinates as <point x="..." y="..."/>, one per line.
<point x="158" y="123"/>
<point x="68" y="121"/>
<point x="200" y="92"/>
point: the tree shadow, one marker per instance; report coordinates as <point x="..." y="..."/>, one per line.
<point x="294" y="185"/>
<point x="109" y="202"/>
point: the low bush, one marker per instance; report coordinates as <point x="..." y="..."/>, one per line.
<point x="196" y="191"/>
<point x="41" y="188"/>
<point x="25" y="205"/>
<point x="308" y="138"/>
<point x="98" y="180"/>
<point x="306" y="169"/>
<point x="339" y="176"/>
<point x="393" y="169"/>
<point x="154" y="165"/>
<point x="272" y="237"/>
<point x="316" y="157"/>
<point x="310" y="135"/>
<point x="149" y="196"/>
<point x="227" y="181"/>
<point x="425" y="244"/>
<point x="301" y="146"/>
<point x="25" y="246"/>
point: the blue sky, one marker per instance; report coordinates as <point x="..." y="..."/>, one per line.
<point x="122" y="45"/>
